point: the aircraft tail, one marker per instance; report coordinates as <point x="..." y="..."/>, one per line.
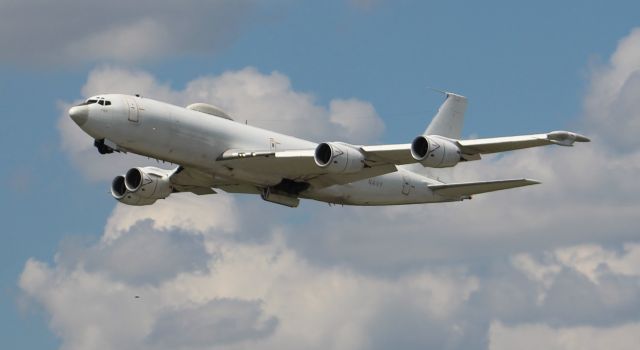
<point x="450" y="117"/>
<point x="465" y="190"/>
<point x="447" y="122"/>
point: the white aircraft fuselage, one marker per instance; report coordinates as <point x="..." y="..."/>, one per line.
<point x="200" y="138"/>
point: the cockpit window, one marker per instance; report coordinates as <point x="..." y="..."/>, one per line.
<point x="101" y="101"/>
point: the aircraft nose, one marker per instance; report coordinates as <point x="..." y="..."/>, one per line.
<point x="79" y="114"/>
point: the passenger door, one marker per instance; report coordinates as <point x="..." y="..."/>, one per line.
<point x="133" y="110"/>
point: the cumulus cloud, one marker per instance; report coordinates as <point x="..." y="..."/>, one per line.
<point x="269" y="292"/>
<point x="270" y="101"/>
<point x="207" y="212"/>
<point x="248" y="292"/>
<point x="145" y="255"/>
<point x="554" y="266"/>
<point x="612" y="105"/>
<point x="351" y="115"/>
<point x="218" y="322"/>
<point x="263" y="100"/>
<point x="541" y="336"/>
<point x="69" y="31"/>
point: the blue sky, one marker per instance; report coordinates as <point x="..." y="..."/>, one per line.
<point x="525" y="67"/>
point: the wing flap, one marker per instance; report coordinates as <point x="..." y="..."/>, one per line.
<point x="466" y="189"/>
<point x="292" y="164"/>
<point x="194" y="180"/>
<point x="341" y="179"/>
<point x="299" y="165"/>
<point x="397" y="154"/>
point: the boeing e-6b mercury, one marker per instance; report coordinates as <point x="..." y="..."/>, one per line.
<point x="215" y="152"/>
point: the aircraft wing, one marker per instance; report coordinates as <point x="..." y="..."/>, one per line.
<point x="400" y="154"/>
<point x="510" y="143"/>
<point x="297" y="165"/>
<point x="463" y="190"/>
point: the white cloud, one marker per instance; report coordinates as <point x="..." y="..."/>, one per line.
<point x="592" y="260"/>
<point x="198" y="215"/>
<point x="249" y="291"/>
<point x="267" y="295"/>
<point x="67" y="31"/>
<point x="541" y="336"/>
<point x="353" y="115"/>
<point x="218" y="322"/>
<point x="579" y="283"/>
<point x="81" y="307"/>
<point x="269" y="101"/>
<point x="543" y="274"/>
<point x="612" y="105"/>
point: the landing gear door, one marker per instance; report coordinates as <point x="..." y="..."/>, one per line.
<point x="133" y="110"/>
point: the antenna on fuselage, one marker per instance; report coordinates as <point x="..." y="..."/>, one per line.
<point x="438" y="90"/>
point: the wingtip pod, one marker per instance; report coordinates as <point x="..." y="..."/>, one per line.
<point x="582" y="138"/>
<point x="566" y="138"/>
<point x="531" y="182"/>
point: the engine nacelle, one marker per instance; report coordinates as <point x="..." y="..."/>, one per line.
<point x="148" y="182"/>
<point x="338" y="157"/>
<point x="142" y="186"/>
<point x="119" y="192"/>
<point x="435" y="151"/>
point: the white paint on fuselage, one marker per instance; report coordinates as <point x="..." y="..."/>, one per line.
<point x="194" y="139"/>
<point x="401" y="187"/>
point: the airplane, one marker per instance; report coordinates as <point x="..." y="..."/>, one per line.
<point x="214" y="152"/>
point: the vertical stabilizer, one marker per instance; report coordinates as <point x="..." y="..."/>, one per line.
<point x="448" y="123"/>
<point x="450" y="117"/>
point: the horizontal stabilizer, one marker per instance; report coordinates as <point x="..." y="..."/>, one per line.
<point x="466" y="189"/>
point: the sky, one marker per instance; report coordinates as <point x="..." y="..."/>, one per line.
<point x="553" y="266"/>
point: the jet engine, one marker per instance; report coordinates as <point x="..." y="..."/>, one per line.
<point x="141" y="186"/>
<point x="435" y="151"/>
<point x="338" y="157"/>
